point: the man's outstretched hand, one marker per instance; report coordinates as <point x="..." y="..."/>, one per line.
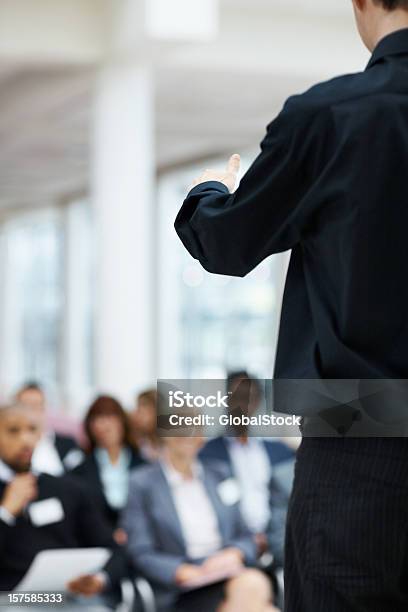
<point x="229" y="177"/>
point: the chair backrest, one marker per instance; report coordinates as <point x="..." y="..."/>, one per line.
<point x="146" y="594"/>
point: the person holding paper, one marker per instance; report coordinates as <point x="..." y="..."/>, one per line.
<point x="40" y="512"/>
<point x="186" y="533"/>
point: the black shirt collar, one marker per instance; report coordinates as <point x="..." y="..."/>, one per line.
<point x="392" y="44"/>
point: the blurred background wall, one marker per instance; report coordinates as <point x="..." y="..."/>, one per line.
<point x="108" y="110"/>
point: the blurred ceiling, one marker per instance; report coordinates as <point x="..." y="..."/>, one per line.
<point x="211" y="97"/>
<point x="44" y="121"/>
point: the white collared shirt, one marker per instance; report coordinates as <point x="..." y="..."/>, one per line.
<point x="115" y="478"/>
<point x="6" y="475"/>
<point x="195" y="511"/>
<point x="253" y="472"/>
<point x="46" y="458"/>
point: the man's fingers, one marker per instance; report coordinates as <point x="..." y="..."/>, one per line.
<point x="234" y="164"/>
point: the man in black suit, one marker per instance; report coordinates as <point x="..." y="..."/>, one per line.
<point x="250" y="460"/>
<point x="54" y="454"/>
<point x="330" y="183"/>
<point x="40" y="512"/>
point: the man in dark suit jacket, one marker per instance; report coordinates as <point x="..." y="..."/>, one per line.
<point x="330" y="183"/>
<point x="255" y="463"/>
<point x="40" y="512"/>
<point x="245" y="395"/>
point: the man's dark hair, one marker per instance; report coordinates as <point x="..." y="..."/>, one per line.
<point x="241" y="375"/>
<point x="236" y="375"/>
<point x="391" y="5"/>
<point x="31" y="385"/>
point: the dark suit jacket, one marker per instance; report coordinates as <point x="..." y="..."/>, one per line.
<point x="82" y="526"/>
<point x="156" y="544"/>
<point x="330" y="183"/>
<point x="281" y="458"/>
<point x="217" y="449"/>
<point x="68" y="451"/>
<point x="88" y="473"/>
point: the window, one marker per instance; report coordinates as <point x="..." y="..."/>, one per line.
<point x="32" y="298"/>
<point x="46" y="302"/>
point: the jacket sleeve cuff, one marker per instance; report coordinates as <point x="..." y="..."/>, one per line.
<point x="7" y="517"/>
<point x="248" y="548"/>
<point x="215" y="185"/>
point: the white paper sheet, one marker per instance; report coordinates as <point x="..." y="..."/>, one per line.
<point x="51" y="570"/>
<point x="212" y="578"/>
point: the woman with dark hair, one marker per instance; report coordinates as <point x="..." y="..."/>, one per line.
<point x="111" y="457"/>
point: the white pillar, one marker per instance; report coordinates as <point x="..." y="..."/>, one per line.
<point x="78" y="260"/>
<point x="123" y="180"/>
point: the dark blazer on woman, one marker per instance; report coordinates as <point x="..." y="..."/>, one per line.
<point x="88" y="472"/>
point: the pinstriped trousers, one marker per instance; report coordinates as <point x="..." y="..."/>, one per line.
<point x="347" y="528"/>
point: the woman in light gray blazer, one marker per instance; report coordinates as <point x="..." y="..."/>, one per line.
<point x="187" y="537"/>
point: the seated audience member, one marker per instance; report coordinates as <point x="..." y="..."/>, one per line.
<point x="251" y="461"/>
<point x="26" y="528"/>
<point x="144" y="425"/>
<point x="184" y="526"/>
<point x="54" y="454"/>
<point x="111" y="457"/>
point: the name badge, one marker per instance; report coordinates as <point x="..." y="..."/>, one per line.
<point x="46" y="512"/>
<point x="73" y="458"/>
<point x="229" y="492"/>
